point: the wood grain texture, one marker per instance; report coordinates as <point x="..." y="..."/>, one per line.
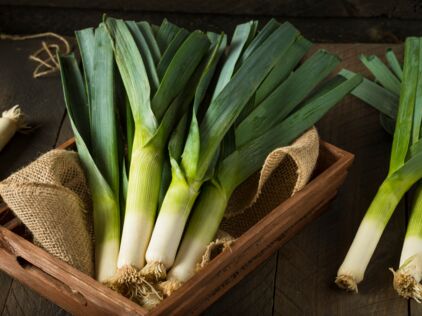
<point x="252" y="296"/>
<point x="21" y="20"/>
<point x="5" y="284"/>
<point x="22" y="301"/>
<point x="305" y="8"/>
<point x="308" y="264"/>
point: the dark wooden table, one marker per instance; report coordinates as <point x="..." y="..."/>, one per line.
<point x="298" y="280"/>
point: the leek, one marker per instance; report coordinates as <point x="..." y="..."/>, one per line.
<point x="156" y="103"/>
<point x="405" y="171"/>
<point x="204" y="136"/>
<point x="11" y="121"/>
<point x="91" y="107"/>
<point x="240" y="165"/>
<point x="407" y="278"/>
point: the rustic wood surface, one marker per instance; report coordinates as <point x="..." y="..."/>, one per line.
<point x="292" y="8"/>
<point x="382" y="29"/>
<point x="296" y="281"/>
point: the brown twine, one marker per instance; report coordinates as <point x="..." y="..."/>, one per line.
<point x="46" y="56"/>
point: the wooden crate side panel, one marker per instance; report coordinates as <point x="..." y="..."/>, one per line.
<point x="59" y="282"/>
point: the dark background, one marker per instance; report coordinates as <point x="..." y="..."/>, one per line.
<point x="387" y="21"/>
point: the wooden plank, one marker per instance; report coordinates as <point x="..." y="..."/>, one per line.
<point x="56" y="280"/>
<point x="22" y="20"/>
<point x="5" y="284"/>
<point x="23" y="301"/>
<point x="252" y="296"/>
<point x="308" y="8"/>
<point x="410" y="9"/>
<point x="308" y="264"/>
<point x="65" y="132"/>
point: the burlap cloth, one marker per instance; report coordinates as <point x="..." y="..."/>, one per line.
<point x="50" y="196"/>
<point x="286" y="170"/>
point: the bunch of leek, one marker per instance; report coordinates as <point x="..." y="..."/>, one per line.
<point x="397" y="96"/>
<point x="191" y="130"/>
<point x="258" y="129"/>
<point x="156" y="71"/>
<point x="286" y="47"/>
<point x="198" y="158"/>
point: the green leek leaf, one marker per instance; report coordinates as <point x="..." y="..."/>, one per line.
<point x="180" y="69"/>
<point x="146" y="54"/>
<point x="394" y="63"/>
<point x="104" y="139"/>
<point x="380" y="98"/>
<point x="381" y="72"/>
<point x="171" y="50"/>
<point x="166" y="34"/>
<point x="148" y="34"/>
<point x="133" y="73"/>
<point x="225" y="108"/>
<point x="402" y="135"/>
<point x="289" y="94"/>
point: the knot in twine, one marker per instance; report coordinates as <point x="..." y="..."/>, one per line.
<point x="45" y="57"/>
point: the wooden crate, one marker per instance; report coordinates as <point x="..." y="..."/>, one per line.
<point x="82" y="295"/>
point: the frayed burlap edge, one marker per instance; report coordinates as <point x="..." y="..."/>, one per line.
<point x="222" y="242"/>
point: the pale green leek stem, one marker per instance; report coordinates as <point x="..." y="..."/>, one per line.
<point x="407" y="277"/>
<point x="141" y="202"/>
<point x="107" y="234"/>
<point x="370" y="230"/>
<point x="174" y="213"/>
<point x="203" y="225"/>
<point x="413" y="240"/>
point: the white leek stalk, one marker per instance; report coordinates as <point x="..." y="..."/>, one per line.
<point x="407" y="278"/>
<point x="202" y="228"/>
<point x="11" y="121"/>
